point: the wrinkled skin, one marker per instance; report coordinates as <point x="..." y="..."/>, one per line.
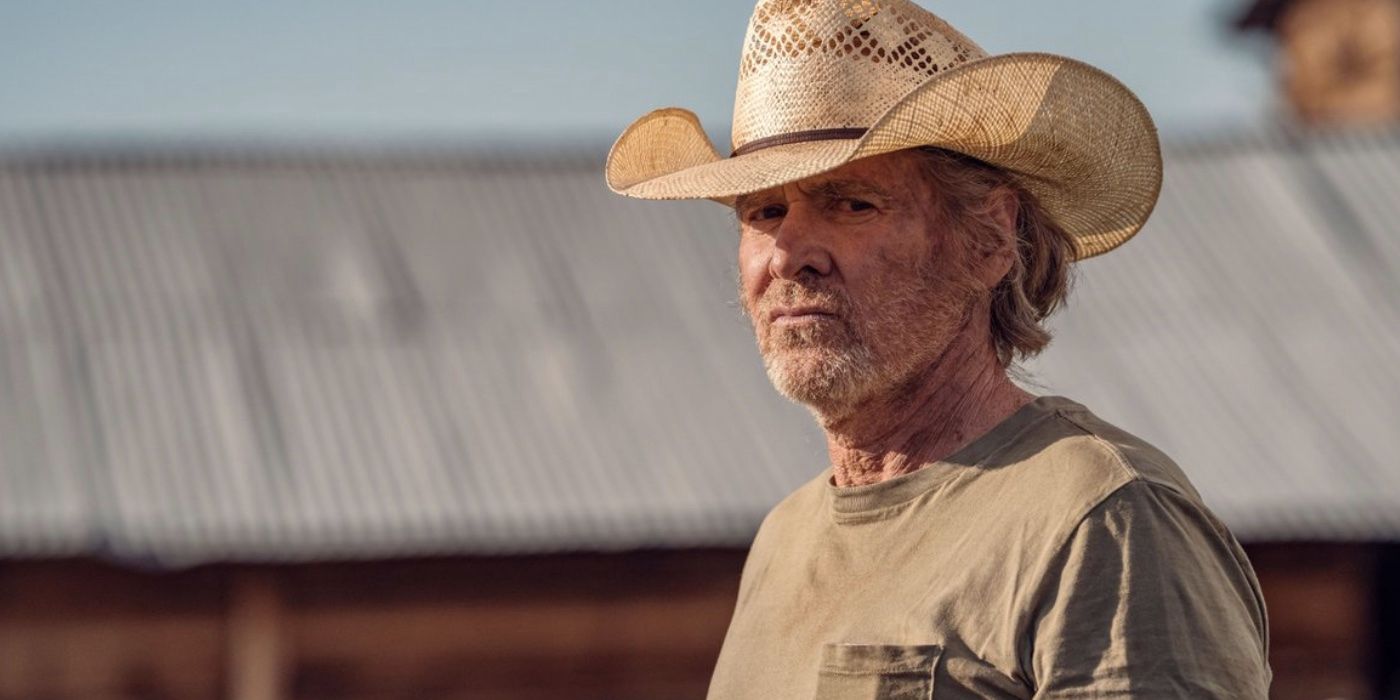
<point x="873" y="312"/>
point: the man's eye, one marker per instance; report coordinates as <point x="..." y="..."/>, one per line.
<point x="771" y="211"/>
<point x="854" y="205"/>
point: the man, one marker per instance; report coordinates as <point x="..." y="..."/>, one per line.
<point x="908" y="208"/>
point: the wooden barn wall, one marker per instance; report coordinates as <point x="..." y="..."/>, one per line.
<point x="626" y="626"/>
<point x="639" y="625"/>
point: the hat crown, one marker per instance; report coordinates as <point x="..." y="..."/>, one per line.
<point x="812" y="65"/>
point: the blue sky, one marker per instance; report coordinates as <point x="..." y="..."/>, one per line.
<point x="555" y="70"/>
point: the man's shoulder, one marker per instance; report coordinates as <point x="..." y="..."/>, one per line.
<point x="1110" y="451"/>
<point x="1067" y="460"/>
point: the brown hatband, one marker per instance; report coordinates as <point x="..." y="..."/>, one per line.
<point x="798" y="137"/>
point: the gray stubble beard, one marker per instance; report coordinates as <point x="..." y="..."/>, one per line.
<point x="832" y="367"/>
<point x="826" y="376"/>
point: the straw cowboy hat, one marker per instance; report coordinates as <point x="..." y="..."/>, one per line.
<point x="826" y="82"/>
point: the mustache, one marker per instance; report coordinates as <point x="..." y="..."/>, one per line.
<point x="789" y="293"/>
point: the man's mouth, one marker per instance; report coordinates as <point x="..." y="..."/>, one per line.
<point x="799" y="315"/>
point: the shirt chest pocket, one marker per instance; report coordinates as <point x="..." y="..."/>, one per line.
<point x="877" y="671"/>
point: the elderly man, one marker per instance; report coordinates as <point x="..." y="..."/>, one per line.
<point x="908" y="208"/>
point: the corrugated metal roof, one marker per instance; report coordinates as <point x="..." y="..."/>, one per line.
<point x="252" y="355"/>
<point x="250" y="358"/>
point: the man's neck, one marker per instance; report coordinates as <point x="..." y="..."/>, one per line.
<point x="956" y="399"/>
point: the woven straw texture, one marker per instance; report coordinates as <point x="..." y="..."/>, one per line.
<point x="895" y="76"/>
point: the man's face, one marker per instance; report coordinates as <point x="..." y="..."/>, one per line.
<point x="851" y="280"/>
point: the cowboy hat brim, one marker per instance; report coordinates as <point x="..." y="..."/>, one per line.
<point x="1071" y="134"/>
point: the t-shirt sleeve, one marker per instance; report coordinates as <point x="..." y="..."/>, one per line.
<point x="1150" y="597"/>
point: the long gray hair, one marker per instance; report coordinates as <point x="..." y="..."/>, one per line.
<point x="1039" y="279"/>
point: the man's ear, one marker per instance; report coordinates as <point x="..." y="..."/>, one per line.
<point x="1003" y="208"/>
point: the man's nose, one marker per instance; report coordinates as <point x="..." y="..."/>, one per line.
<point x="799" y="244"/>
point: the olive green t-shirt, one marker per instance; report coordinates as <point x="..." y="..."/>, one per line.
<point x="1056" y="556"/>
